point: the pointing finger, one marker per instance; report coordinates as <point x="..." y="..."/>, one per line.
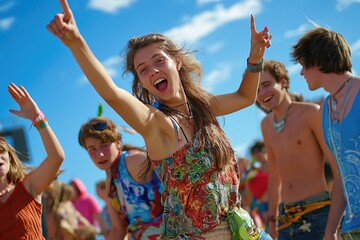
<point x="66" y="10"/>
<point x="253" y="27"/>
<point x="65" y="6"/>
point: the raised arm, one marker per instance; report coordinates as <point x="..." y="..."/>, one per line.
<point x="247" y="91"/>
<point x="41" y="177"/>
<point x="135" y="113"/>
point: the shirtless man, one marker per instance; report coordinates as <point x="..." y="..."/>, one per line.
<point x="299" y="200"/>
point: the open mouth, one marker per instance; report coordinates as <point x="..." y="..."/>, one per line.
<point x="161" y="84"/>
<point x="265" y="100"/>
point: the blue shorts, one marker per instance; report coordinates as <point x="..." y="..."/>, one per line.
<point x="310" y="225"/>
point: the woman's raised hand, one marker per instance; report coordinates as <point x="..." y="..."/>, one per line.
<point x="259" y="42"/>
<point x="64" y="26"/>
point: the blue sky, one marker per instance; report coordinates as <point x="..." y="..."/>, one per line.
<point x="31" y="56"/>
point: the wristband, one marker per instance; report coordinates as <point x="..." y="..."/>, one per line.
<point x="257" y="67"/>
<point x="40" y="121"/>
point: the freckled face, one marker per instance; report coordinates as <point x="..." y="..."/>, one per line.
<point x="158" y="72"/>
<point x="103" y="154"/>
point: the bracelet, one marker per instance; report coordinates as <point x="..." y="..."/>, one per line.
<point x="257" y="67"/>
<point x="40" y="121"/>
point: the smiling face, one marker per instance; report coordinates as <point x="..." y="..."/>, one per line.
<point x="158" y="73"/>
<point x="271" y="92"/>
<point x="103" y="154"/>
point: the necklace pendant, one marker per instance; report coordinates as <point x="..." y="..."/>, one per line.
<point x="333" y="104"/>
<point x="279" y="126"/>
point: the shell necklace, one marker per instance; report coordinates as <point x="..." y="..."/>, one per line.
<point x="280" y="125"/>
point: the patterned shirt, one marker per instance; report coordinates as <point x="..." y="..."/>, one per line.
<point x="197" y="195"/>
<point x="140" y="204"/>
<point x="343" y="138"/>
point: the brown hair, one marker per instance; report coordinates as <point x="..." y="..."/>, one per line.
<point x="278" y="71"/>
<point x="258" y="146"/>
<point x="324" y="49"/>
<point x="17" y="169"/>
<point x="107" y="133"/>
<point x="190" y="74"/>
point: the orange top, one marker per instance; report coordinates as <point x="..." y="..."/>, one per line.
<point x="20" y="216"/>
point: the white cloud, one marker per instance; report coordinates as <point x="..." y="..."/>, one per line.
<point x="203" y="2"/>
<point x="355" y="48"/>
<point x="342" y="4"/>
<point x="110" y="6"/>
<point x="6" y="6"/>
<point x="213" y="48"/>
<point x="6" y="23"/>
<point x="294" y="69"/>
<point x="301" y="29"/>
<point x="112" y="64"/>
<point x="297" y="32"/>
<point x="217" y="76"/>
<point x="207" y="22"/>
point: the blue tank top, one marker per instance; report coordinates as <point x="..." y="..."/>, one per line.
<point x="138" y="200"/>
<point x="343" y="139"/>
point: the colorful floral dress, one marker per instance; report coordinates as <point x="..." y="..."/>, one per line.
<point x="197" y="196"/>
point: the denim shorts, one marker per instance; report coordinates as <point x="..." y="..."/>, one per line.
<point x="311" y="225"/>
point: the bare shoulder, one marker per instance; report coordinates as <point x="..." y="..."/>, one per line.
<point x="307" y="106"/>
<point x="306" y="109"/>
<point x="136" y="156"/>
<point x="136" y="166"/>
<point x="310" y="113"/>
<point x="266" y="120"/>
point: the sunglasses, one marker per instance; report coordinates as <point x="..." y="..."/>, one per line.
<point x="101" y="126"/>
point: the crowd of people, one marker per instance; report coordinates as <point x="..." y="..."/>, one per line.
<point x="188" y="183"/>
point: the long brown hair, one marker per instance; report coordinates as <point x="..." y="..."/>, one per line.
<point x="17" y="169"/>
<point x="210" y="135"/>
